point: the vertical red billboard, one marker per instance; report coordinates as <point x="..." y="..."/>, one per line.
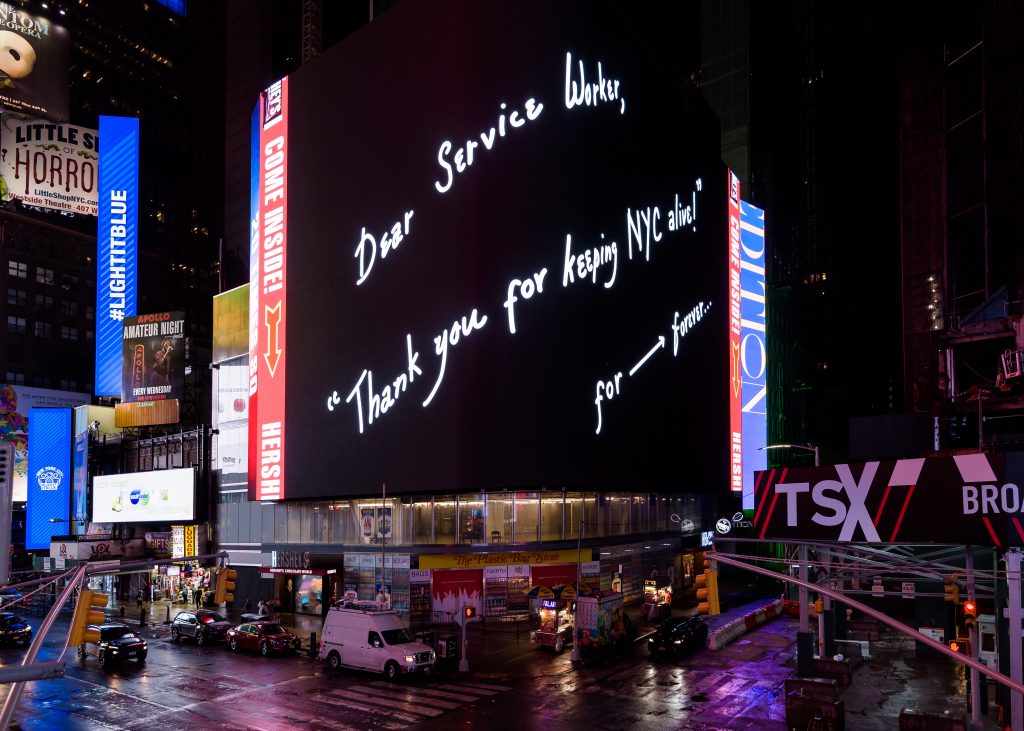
<point x="267" y="304"/>
<point x="735" y="320"/>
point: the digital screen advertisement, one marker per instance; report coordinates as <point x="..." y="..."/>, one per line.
<point x="116" y="245"/>
<point x="153" y="357"/>
<point x="158" y="496"/>
<point x="16" y="402"/>
<point x="524" y="284"/>
<point x="49" y="477"/>
<point x="753" y="347"/>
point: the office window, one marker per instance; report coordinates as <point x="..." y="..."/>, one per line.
<point x="15" y="378"/>
<point x="68" y="384"/>
<point x="89" y="335"/>
<point x="44" y="303"/>
<point x="17" y="297"/>
<point x="17" y="269"/>
<point x="44" y="275"/>
<point x="89" y="312"/>
<point x="68" y="308"/>
<point x="68" y="333"/>
<point x="16" y="325"/>
<point x="44" y="329"/>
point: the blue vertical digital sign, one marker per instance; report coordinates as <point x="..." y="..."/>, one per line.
<point x="753" y="347"/>
<point x="116" y="245"/>
<point x="49" y="476"/>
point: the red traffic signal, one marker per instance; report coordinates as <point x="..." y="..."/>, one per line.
<point x="970" y="608"/>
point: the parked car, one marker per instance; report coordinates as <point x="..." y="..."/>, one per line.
<point x="14" y="629"/>
<point x="678" y="636"/>
<point x="117" y="642"/>
<point x="9" y="596"/>
<point x="376" y="640"/>
<point x="264" y="636"/>
<point x="202" y="625"/>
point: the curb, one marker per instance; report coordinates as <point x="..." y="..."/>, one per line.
<point x="739" y="627"/>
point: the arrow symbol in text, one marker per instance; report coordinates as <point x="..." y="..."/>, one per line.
<point x="661" y="344"/>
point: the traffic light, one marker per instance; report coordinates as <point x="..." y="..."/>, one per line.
<point x="225" y="585"/>
<point x="819" y="606"/>
<point x="89" y="610"/>
<point x="952" y="591"/>
<point x="707" y="591"/>
<point x="970" y="614"/>
<point x="469" y="612"/>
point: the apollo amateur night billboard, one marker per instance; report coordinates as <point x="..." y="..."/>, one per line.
<point x="975" y="499"/>
<point x="495" y="258"/>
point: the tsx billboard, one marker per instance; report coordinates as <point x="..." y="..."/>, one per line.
<point x="972" y="499"/>
<point x="514" y="268"/>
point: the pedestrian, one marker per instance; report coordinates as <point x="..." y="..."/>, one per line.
<point x="138" y="600"/>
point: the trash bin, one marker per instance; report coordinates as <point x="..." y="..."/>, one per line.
<point x="426" y="637"/>
<point x="446" y="647"/>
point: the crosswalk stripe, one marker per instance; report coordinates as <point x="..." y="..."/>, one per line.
<point x="486" y="686"/>
<point x="411" y="697"/>
<point x="467" y="689"/>
<point x="359" y="701"/>
<point x="342" y="704"/>
<point x="437" y="693"/>
<point x="406" y="704"/>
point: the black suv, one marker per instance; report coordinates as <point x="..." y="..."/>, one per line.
<point x="202" y="625"/>
<point x="678" y="636"/>
<point x="117" y="642"/>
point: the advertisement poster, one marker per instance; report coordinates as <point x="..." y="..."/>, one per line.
<point x="49" y="165"/>
<point x="458" y="588"/>
<point x="384" y="524"/>
<point x="80" y="465"/>
<point x="34" y="61"/>
<point x="15" y="404"/>
<point x="49" y="467"/>
<point x="367" y="524"/>
<point x="753" y="347"/>
<point x="153" y="357"/>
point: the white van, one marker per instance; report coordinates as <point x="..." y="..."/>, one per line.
<point x="372" y="639"/>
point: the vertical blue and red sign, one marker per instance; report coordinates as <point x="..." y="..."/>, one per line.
<point x="116" y="245"/>
<point x="753" y="350"/>
<point x="267" y="278"/>
<point x="49" y="476"/>
<point x="735" y="379"/>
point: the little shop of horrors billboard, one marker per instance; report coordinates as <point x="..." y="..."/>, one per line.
<point x="971" y="499"/>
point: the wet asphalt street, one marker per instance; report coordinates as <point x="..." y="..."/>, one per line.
<point x="521" y="687"/>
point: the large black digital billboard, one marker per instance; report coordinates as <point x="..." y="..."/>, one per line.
<point x="507" y="261"/>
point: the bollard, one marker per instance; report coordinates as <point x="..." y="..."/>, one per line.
<point x="168" y="620"/>
<point x="312" y="646"/>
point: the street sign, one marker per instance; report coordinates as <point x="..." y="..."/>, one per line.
<point x="877" y="589"/>
<point x="909" y="590"/>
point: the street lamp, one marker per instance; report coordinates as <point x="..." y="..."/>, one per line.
<point x="805" y="447"/>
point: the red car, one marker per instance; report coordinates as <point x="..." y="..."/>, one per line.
<point x="266" y="637"/>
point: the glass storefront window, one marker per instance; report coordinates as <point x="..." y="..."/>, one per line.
<point x="471" y="519"/>
<point x="444" y="519"/>
<point x="638" y="516"/>
<point x="573" y="514"/>
<point x="591" y="525"/>
<point x="422" y="520"/>
<point x="527" y="516"/>
<point x="499" y="517"/>
<point x="551" y="517"/>
<point x="315" y="523"/>
<point x="281" y="523"/>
